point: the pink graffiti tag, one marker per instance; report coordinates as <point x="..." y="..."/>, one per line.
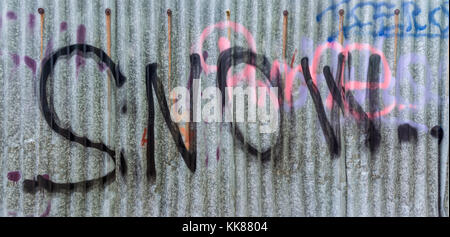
<point x="357" y="85"/>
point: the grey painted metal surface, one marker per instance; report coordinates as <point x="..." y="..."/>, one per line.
<point x="399" y="178"/>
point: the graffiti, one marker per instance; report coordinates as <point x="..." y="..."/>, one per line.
<point x="340" y="98"/>
<point x="388" y="87"/>
<point x="15" y="176"/>
<point x="51" y="117"/>
<point x="330" y="136"/>
<point x="407" y="133"/>
<point x="189" y="156"/>
<point x="230" y="57"/>
<point x="368" y="99"/>
<point x="381" y="22"/>
<point x="235" y="56"/>
<point x="437" y="132"/>
<point x="11" y="15"/>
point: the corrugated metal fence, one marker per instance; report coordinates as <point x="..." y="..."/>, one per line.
<point x="75" y="136"/>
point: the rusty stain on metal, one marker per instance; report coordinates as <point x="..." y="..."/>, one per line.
<point x="341" y="22"/>
<point x="396" y="12"/>
<point x="42" y="13"/>
<point x="108" y="47"/>
<point x="285" y="23"/>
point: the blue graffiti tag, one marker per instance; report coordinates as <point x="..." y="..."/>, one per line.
<point x="381" y="23"/>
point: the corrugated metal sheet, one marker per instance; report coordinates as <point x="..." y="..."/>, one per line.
<point x="406" y="174"/>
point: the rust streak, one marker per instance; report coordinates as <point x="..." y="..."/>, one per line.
<point x="42" y="13"/>
<point x="285" y="22"/>
<point x="108" y="47"/>
<point x="341" y="23"/>
<point x="396" y="12"/>
<point x="228" y="21"/>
